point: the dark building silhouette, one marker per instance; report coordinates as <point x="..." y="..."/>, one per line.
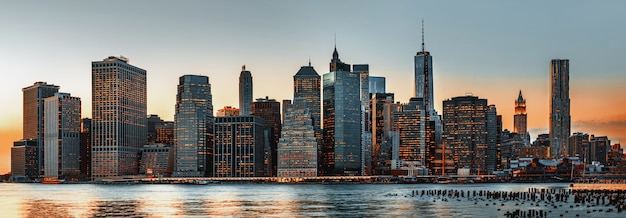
<point x="85" y="148"/>
<point x="269" y="110"/>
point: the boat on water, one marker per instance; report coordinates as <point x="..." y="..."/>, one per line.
<point x="444" y="180"/>
<point x="50" y="180"/>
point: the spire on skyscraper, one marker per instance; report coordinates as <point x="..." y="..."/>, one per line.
<point x="423" y="49"/>
<point x="520" y="98"/>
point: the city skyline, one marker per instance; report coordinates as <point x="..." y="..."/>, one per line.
<point x="494" y="60"/>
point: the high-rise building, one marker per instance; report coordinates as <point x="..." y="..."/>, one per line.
<point x="228" y="111"/>
<point x="341" y="148"/>
<point x="412" y="124"/>
<point x="165" y="133"/>
<point x="307" y="85"/>
<point x="269" y="110"/>
<point x="377" y="84"/>
<point x="366" y="137"/>
<point x="153" y="121"/>
<point x="24" y="160"/>
<point x="239" y="147"/>
<point x="493" y="145"/>
<point x="118" y="92"/>
<point x="62" y="136"/>
<point x="297" y="148"/>
<point x="381" y="109"/>
<point x="559" y="107"/>
<point x="578" y="145"/>
<point x="33" y="116"/>
<point x="520" y="119"/>
<point x="286" y="104"/>
<point x="245" y="92"/>
<point x="465" y="132"/>
<point x="194" y="127"/>
<point x="598" y="149"/>
<point x="85" y="148"/>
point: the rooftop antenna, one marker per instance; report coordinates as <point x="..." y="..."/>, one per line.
<point x="309" y="61"/>
<point x="243" y="67"/>
<point x="423" y="49"/>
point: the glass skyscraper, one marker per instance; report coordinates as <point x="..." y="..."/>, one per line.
<point x="377" y="84"/>
<point x="245" y="92"/>
<point x="62" y="136"/>
<point x="194" y="127"/>
<point x="118" y="117"/>
<point x="560" y="123"/>
<point x="33" y="116"/>
<point x="342" y="120"/>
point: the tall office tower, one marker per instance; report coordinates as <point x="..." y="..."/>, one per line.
<point x="366" y="137"/>
<point x="245" y="92"/>
<point x="377" y="84"/>
<point x="306" y="85"/>
<point x="33" y="117"/>
<point x="559" y="107"/>
<point x="85" y="148"/>
<point x="412" y="124"/>
<point x="297" y="148"/>
<point x="25" y="160"/>
<point x="153" y="121"/>
<point x="269" y="110"/>
<point x="492" y="138"/>
<point x="424" y="86"/>
<point x="465" y="132"/>
<point x="341" y="148"/>
<point x="520" y="119"/>
<point x="286" y="104"/>
<point x="228" y="111"/>
<point x="381" y="110"/>
<point x="578" y="145"/>
<point x="165" y="133"/>
<point x="598" y="149"/>
<point x="62" y="136"/>
<point x="239" y="147"/>
<point x="194" y="127"/>
<point x="118" y="92"/>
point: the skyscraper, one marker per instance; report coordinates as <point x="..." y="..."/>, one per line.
<point x="424" y="86"/>
<point x="62" y="136"/>
<point x="381" y="110"/>
<point x="366" y="137"/>
<point x="245" y="92"/>
<point x="342" y="120"/>
<point x="411" y="123"/>
<point x="153" y="121"/>
<point x="239" y="147"/>
<point x="297" y="148"/>
<point x="118" y="92"/>
<point x="24" y="160"/>
<point x="306" y="85"/>
<point x="493" y="144"/>
<point x="559" y="107"/>
<point x="269" y="110"/>
<point x="376" y="84"/>
<point x="194" y="127"/>
<point x="33" y="116"/>
<point x="465" y="132"/>
<point x="520" y="119"/>
<point x="85" y="148"/>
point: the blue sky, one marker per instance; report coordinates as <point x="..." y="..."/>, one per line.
<point x="489" y="48"/>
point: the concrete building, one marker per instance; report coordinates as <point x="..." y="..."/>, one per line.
<point x="194" y="127"/>
<point x="269" y="110"/>
<point x="560" y="123"/>
<point x="62" y="136"/>
<point x="165" y="133"/>
<point x="228" y="111"/>
<point x="34" y="114"/>
<point x="578" y="145"/>
<point x="157" y="160"/>
<point x="245" y="92"/>
<point x="297" y="148"/>
<point x="118" y="117"/>
<point x="25" y="160"/>
<point x="239" y="147"/>
<point x="342" y="120"/>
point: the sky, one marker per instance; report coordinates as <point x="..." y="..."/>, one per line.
<point x="491" y="49"/>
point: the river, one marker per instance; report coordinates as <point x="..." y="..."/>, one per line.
<point x="269" y="200"/>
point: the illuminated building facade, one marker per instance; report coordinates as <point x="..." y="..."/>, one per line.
<point x="156" y="160"/>
<point x="520" y="117"/>
<point x="307" y="86"/>
<point x="297" y="148"/>
<point x="239" y="147"/>
<point x="228" y="111"/>
<point x="194" y="127"/>
<point x="381" y="110"/>
<point x="62" y="136"/>
<point x="33" y="116"/>
<point x="559" y="107"/>
<point x="245" y="92"/>
<point x="165" y="133"/>
<point x="118" y="117"/>
<point x="269" y="110"/>
<point x="341" y="149"/>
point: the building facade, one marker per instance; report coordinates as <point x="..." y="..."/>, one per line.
<point x="157" y="160"/>
<point x="239" y="147"/>
<point x="245" y="92"/>
<point x="228" y="111"/>
<point x="377" y="84"/>
<point x="118" y="117"/>
<point x="85" y="148"/>
<point x="24" y="160"/>
<point x="33" y="116"/>
<point x="297" y="148"/>
<point x="269" y="110"/>
<point x="62" y="136"/>
<point x="382" y="109"/>
<point x="341" y="148"/>
<point x="194" y="127"/>
<point x="559" y="107"/>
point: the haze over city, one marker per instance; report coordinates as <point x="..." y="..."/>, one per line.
<point x="489" y="49"/>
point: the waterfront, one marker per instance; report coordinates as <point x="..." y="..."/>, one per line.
<point x="279" y="200"/>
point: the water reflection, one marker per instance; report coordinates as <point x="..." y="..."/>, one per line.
<point x="45" y="208"/>
<point x="121" y="208"/>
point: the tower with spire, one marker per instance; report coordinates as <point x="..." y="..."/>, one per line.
<point x="520" y="119"/>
